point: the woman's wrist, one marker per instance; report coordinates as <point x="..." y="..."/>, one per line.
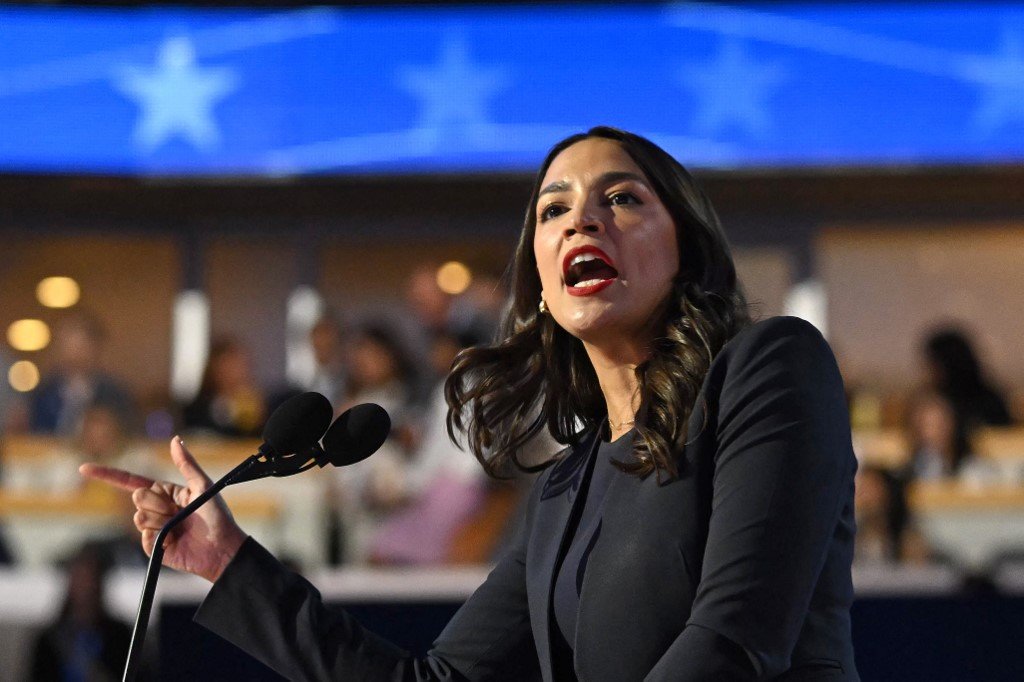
<point x="227" y="550"/>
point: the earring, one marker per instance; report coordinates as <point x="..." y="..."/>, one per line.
<point x="543" y="307"/>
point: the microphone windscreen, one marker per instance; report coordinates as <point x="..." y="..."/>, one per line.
<point x="356" y="434"/>
<point x="297" y="424"/>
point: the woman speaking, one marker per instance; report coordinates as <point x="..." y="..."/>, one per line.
<point x="698" y="525"/>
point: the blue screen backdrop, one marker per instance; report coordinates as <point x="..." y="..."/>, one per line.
<point x="172" y="91"/>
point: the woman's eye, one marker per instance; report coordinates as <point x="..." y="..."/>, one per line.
<point x="551" y="211"/>
<point x="620" y="198"/>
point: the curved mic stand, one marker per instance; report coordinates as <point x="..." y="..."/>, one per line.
<point x="255" y="466"/>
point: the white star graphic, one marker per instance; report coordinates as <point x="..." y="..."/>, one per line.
<point x="454" y="94"/>
<point x="1001" y="77"/>
<point x="732" y="91"/>
<point x="176" y="97"/>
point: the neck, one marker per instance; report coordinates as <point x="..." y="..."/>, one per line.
<point x="615" y="367"/>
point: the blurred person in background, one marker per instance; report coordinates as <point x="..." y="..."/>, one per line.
<point x="380" y="371"/>
<point x="939" y="441"/>
<point x="77" y="380"/>
<point x="441" y="486"/>
<point x="85" y="643"/>
<point x="428" y="311"/>
<point x="477" y="312"/>
<point x="954" y="371"/>
<point x="430" y="306"/>
<point x="885" y="530"/>
<point x="433" y="313"/>
<point x="327" y="339"/>
<point x="229" y="402"/>
<point x="329" y="375"/>
<point x="941" y="446"/>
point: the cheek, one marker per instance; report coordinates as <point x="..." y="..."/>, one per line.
<point x="545" y="253"/>
<point x="658" y="256"/>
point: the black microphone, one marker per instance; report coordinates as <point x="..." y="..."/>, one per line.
<point x="355" y="435"/>
<point x="290" y="435"/>
<point x="294" y="427"/>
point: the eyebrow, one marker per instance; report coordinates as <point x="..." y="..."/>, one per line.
<point x="606" y="179"/>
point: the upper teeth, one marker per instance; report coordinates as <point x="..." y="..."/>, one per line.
<point x="583" y="258"/>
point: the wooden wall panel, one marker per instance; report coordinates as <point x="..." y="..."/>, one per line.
<point x="363" y="276"/>
<point x="766" y="275"/>
<point x="888" y="287"/>
<point x="248" y="280"/>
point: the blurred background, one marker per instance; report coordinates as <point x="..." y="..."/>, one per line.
<point x="208" y="207"/>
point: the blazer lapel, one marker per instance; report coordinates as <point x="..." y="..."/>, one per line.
<point x="559" y="499"/>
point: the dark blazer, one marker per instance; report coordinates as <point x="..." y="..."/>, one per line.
<point x="748" y="550"/>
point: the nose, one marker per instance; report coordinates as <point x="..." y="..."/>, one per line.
<point x="584" y="222"/>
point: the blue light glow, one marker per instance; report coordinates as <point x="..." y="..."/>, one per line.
<point x="161" y="91"/>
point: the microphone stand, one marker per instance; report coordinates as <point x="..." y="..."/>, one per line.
<point x="131" y="668"/>
<point x="260" y="465"/>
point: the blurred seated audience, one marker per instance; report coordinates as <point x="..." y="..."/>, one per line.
<point x="955" y="372"/>
<point x="100" y="437"/>
<point x="77" y="380"/>
<point x="229" y="402"/>
<point x="85" y="643"/>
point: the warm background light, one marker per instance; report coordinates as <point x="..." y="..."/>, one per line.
<point x="453" y="277"/>
<point x="28" y="335"/>
<point x="58" y="292"/>
<point x="23" y="375"/>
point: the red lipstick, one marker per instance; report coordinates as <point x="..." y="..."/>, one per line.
<point x="603" y="282"/>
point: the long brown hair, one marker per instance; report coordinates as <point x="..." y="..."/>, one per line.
<point x="538" y="375"/>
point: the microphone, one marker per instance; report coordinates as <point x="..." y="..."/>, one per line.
<point x="291" y="432"/>
<point x="355" y="435"/>
<point x="294" y="427"/>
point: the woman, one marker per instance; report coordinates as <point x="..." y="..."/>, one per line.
<point x="956" y="373"/>
<point x="699" y="525"/>
<point x="229" y="402"/>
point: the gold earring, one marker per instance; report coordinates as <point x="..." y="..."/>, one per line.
<point x="543" y="307"/>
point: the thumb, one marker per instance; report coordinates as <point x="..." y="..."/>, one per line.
<point x="195" y="477"/>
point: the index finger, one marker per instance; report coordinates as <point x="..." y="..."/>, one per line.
<point x="120" y="478"/>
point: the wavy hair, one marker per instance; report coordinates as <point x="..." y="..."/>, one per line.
<point x="537" y="375"/>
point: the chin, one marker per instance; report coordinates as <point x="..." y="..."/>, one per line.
<point x="591" y="322"/>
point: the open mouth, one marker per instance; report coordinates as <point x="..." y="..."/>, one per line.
<point x="587" y="269"/>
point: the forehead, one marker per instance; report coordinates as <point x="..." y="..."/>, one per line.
<point x="589" y="159"/>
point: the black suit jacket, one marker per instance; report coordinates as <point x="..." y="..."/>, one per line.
<point x="750" y="547"/>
